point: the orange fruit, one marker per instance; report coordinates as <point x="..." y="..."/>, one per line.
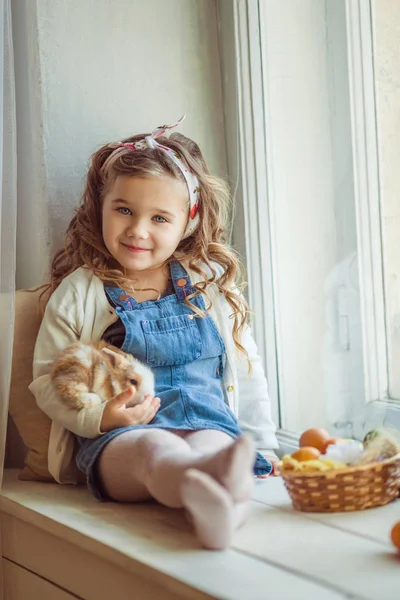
<point x="327" y="443"/>
<point x="395" y="535"/>
<point x="306" y="453"/>
<point x="315" y="438"/>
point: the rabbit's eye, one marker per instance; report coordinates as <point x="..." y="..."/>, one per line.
<point x="133" y="381"/>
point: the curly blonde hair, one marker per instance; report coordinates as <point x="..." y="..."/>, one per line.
<point x="205" y="247"/>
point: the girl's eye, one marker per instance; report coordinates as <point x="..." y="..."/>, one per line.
<point x="124" y="211"/>
<point x="134" y="382"/>
<point x="159" y="219"/>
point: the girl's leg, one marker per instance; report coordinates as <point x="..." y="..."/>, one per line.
<point x="213" y="514"/>
<point x="238" y="477"/>
<point x="155" y="463"/>
<point x="151" y="462"/>
<point x="120" y="471"/>
<point x="206" y="440"/>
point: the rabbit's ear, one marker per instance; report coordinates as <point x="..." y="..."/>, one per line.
<point x="115" y="359"/>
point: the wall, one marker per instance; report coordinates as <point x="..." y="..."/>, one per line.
<point x="95" y="71"/>
<point x="387" y="80"/>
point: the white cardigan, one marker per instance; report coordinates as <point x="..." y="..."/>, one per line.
<point x="79" y="310"/>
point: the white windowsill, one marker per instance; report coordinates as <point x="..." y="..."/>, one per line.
<point x="293" y="555"/>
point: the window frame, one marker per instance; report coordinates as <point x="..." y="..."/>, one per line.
<point x="246" y="124"/>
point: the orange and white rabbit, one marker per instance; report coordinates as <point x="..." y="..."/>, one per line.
<point x="86" y="375"/>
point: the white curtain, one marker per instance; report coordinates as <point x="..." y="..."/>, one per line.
<point x="8" y="212"/>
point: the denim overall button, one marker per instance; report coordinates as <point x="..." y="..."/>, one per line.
<point x="230" y="388"/>
<point x="181" y="282"/>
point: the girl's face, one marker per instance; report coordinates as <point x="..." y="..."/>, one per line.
<point x="143" y="220"/>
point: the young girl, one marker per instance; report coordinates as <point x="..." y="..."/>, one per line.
<point x="146" y="268"/>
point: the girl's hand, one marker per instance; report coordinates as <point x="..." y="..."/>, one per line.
<point x="117" y="414"/>
<point x="275" y="467"/>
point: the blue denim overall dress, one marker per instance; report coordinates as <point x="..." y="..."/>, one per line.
<point x="186" y="354"/>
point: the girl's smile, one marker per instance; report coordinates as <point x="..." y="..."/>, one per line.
<point x="135" y="248"/>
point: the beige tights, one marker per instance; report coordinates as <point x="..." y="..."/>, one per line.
<point x="205" y="472"/>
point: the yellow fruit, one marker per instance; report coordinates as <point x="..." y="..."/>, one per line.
<point x="315" y="465"/>
<point x="288" y="463"/>
<point x="306" y="453"/>
<point x="315" y="438"/>
<point x="291" y="464"/>
<point x="395" y="535"/>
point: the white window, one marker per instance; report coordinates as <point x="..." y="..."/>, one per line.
<point x="308" y="216"/>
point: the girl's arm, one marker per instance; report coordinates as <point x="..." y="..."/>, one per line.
<point x="254" y="412"/>
<point x="61" y="326"/>
<point x="254" y="402"/>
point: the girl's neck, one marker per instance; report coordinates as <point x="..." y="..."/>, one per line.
<point x="149" y="275"/>
<point x="150" y="283"/>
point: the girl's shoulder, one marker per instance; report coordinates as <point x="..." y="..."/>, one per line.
<point x="81" y="276"/>
<point x="76" y="283"/>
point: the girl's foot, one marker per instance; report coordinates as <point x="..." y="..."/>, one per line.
<point x="210" y="507"/>
<point x="235" y="469"/>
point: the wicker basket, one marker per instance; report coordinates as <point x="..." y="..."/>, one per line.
<point x="353" y="488"/>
